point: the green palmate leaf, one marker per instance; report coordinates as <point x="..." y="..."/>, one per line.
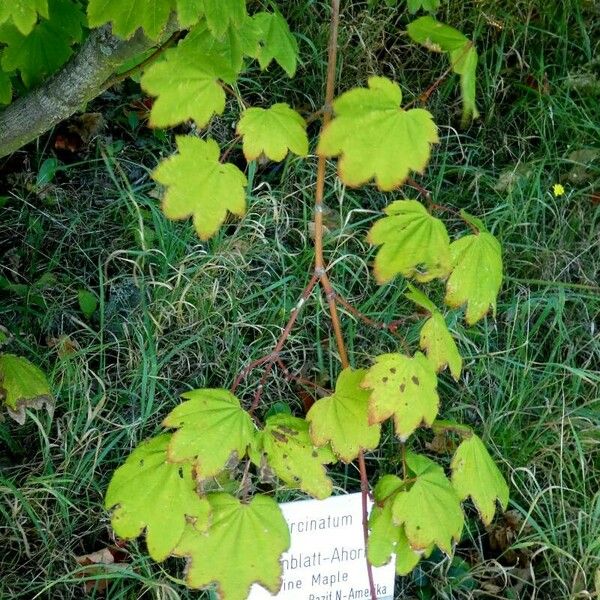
<point x="376" y="138"/>
<point x="430" y="510"/>
<point x="211" y="427"/>
<point x="48" y="46"/>
<point x="22" y="385"/>
<point x="127" y="17"/>
<point x="200" y="186"/>
<point x="387" y="538"/>
<point x="243" y="546"/>
<point x="148" y="492"/>
<point x="404" y="388"/>
<point x="413" y="243"/>
<point x="23" y="13"/>
<point x="428" y="5"/>
<point x="384" y="532"/>
<point x="187" y="86"/>
<point x="439" y="37"/>
<point x="440" y="346"/>
<point x="224" y="56"/>
<point x="286" y="447"/>
<point x="342" y="419"/>
<point x="476" y="274"/>
<point x="475" y="474"/>
<point x="222" y="14"/>
<point x="272" y="132"/>
<point x="189" y="12"/>
<point x="5" y="86"/>
<point x="276" y="42"/>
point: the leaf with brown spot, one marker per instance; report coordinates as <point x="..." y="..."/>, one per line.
<point x="404" y="388"/>
<point x="287" y="448"/>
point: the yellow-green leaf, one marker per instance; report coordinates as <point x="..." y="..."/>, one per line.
<point x="377" y="139"/>
<point x="272" y="132"/>
<point x="413" y="243"/>
<point x="383" y="536"/>
<point x="387" y="538"/>
<point x="128" y="16"/>
<point x="211" y="427"/>
<point x="475" y="474"/>
<point x="464" y="62"/>
<point x="48" y="45"/>
<point x="277" y="42"/>
<point x="189" y="12"/>
<point x="476" y="275"/>
<point x="428" y="5"/>
<point x="440" y="346"/>
<point x="404" y="388"/>
<point x="22" y="385"/>
<point x="23" y="13"/>
<point x="222" y="14"/>
<point x="243" y="546"/>
<point x="224" y="56"/>
<point x="198" y="185"/>
<point x="439" y="37"/>
<point x="286" y="447"/>
<point x="148" y="492"/>
<point x="430" y="510"/>
<point x="342" y="419"/>
<point x="187" y="87"/>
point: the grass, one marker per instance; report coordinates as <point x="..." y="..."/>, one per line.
<point x="176" y="314"/>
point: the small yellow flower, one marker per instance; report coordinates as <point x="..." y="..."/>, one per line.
<point x="558" y="190"/>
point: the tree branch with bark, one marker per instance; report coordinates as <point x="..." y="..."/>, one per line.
<point x="91" y="71"/>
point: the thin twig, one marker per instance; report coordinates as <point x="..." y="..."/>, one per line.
<point x="321" y="267"/>
<point x="301" y="380"/>
<point x="146" y="62"/>
<point x="271" y="358"/>
<point x="425" y="193"/>
<point x="364" y="490"/>
<point x="392" y="326"/>
<point x="424" y="96"/>
<point x="248" y="369"/>
<point x="232" y="145"/>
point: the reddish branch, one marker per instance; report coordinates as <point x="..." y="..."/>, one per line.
<point x="319" y="277"/>
<point x="270" y="359"/>
<point x="320" y="264"/>
<point x="422" y="191"/>
<point x="301" y="380"/>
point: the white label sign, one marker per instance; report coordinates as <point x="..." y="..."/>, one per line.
<point x="326" y="559"/>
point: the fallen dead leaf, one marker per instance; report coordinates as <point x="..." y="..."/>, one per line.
<point x="98" y="563"/>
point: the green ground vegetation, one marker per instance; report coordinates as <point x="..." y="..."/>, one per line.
<point x="175" y="314"/>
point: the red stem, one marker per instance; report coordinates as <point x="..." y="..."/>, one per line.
<point x="271" y="358"/>
<point x="301" y="380"/>
<point x="364" y="490"/>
